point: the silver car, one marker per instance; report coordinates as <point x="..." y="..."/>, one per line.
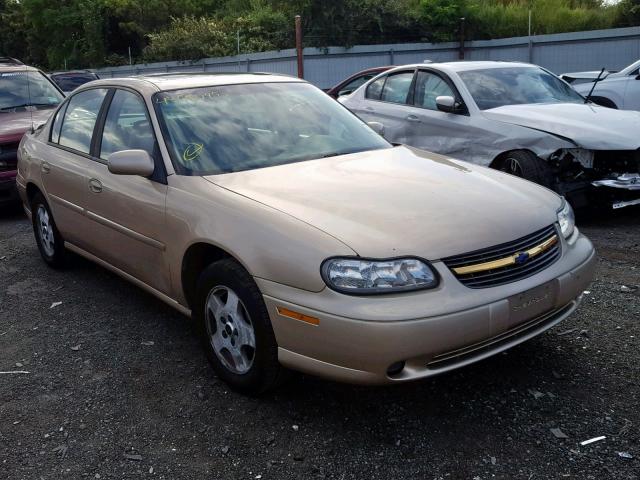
<point x="615" y="89"/>
<point x="515" y="117"/>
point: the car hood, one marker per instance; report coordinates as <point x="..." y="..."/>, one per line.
<point x="15" y="124"/>
<point x="401" y="201"/>
<point x="589" y="126"/>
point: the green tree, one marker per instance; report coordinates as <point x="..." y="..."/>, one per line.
<point x="88" y="33"/>
<point x="629" y="13"/>
<point x="443" y="17"/>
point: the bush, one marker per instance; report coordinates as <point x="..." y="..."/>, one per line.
<point x="491" y="19"/>
<point x="189" y="38"/>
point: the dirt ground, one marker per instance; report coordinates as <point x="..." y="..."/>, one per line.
<point x="119" y="388"/>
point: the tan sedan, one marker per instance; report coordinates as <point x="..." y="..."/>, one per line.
<point x="293" y="234"/>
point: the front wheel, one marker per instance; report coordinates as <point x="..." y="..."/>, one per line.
<point x="234" y="327"/>
<point x="49" y="241"/>
<point x="525" y="164"/>
<point x="604" y="102"/>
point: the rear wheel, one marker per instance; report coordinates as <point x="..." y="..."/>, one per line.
<point x="235" y="329"/>
<point x="525" y="164"/>
<point x="49" y="241"/>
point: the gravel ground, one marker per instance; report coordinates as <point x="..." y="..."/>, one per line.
<point x="119" y="388"/>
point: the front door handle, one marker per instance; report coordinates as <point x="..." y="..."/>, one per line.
<point x="95" y="186"/>
<point x="45" y="167"/>
<point x="413" y="118"/>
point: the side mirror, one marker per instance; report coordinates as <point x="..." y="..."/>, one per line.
<point x="377" y="127"/>
<point x="342" y="93"/>
<point x="448" y="104"/>
<point x="131" y="162"/>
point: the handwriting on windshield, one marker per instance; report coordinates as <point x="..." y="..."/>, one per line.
<point x="192" y="151"/>
<point x="189" y="97"/>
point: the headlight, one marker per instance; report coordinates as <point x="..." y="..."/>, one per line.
<point x="566" y="219"/>
<point x="359" y="276"/>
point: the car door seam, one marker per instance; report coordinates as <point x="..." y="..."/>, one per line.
<point x="124" y="230"/>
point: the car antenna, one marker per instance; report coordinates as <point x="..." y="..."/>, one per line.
<point x="595" y="82"/>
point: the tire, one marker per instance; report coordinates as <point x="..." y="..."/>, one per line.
<point x="525" y="164"/>
<point x="604" y="102"/>
<point x="251" y="369"/>
<point x="50" y="242"/>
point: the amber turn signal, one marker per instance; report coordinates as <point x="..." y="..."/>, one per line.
<point x="285" y="312"/>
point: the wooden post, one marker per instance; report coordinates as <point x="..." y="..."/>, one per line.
<point x="299" y="47"/>
<point x="461" y="53"/>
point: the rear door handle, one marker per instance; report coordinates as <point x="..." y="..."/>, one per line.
<point x="45" y="167"/>
<point x="95" y="186"/>
<point x="413" y="118"/>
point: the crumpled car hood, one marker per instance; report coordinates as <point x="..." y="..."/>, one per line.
<point x="401" y="201"/>
<point x="589" y="126"/>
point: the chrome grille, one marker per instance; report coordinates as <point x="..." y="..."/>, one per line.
<point x="491" y="277"/>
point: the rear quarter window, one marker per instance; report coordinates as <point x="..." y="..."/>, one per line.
<point x="374" y="90"/>
<point x="57" y="123"/>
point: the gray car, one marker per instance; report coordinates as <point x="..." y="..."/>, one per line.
<point x="615" y="89"/>
<point x="515" y="117"/>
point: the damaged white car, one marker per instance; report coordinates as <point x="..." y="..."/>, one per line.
<point x="514" y="117"/>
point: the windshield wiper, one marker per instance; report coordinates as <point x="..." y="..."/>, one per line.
<point x="595" y="82"/>
<point x="346" y="152"/>
<point x="24" y="105"/>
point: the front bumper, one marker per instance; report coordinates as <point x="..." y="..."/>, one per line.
<point x="626" y="188"/>
<point x="356" y="339"/>
<point x="8" y="191"/>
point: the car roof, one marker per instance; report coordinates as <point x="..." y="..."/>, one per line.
<point x="374" y="69"/>
<point x="73" y="72"/>
<point x="4" y="68"/>
<point x="177" y="81"/>
<point x="463" y="65"/>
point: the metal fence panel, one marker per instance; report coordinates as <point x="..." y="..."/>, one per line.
<point x="563" y="52"/>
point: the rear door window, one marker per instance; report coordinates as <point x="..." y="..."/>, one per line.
<point x="80" y="119"/>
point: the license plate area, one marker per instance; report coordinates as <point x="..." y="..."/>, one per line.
<point x="532" y="303"/>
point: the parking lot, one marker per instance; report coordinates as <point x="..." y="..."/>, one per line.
<point x="118" y="387"/>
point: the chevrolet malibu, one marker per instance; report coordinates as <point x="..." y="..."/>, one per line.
<point x="293" y="234"/>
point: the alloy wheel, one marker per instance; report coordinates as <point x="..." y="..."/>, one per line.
<point x="45" y="231"/>
<point x="230" y="330"/>
<point x="512" y="166"/>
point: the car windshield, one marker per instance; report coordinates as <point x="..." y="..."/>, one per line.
<point x="496" y="87"/>
<point x="70" y="81"/>
<point x="21" y="90"/>
<point x="231" y="128"/>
